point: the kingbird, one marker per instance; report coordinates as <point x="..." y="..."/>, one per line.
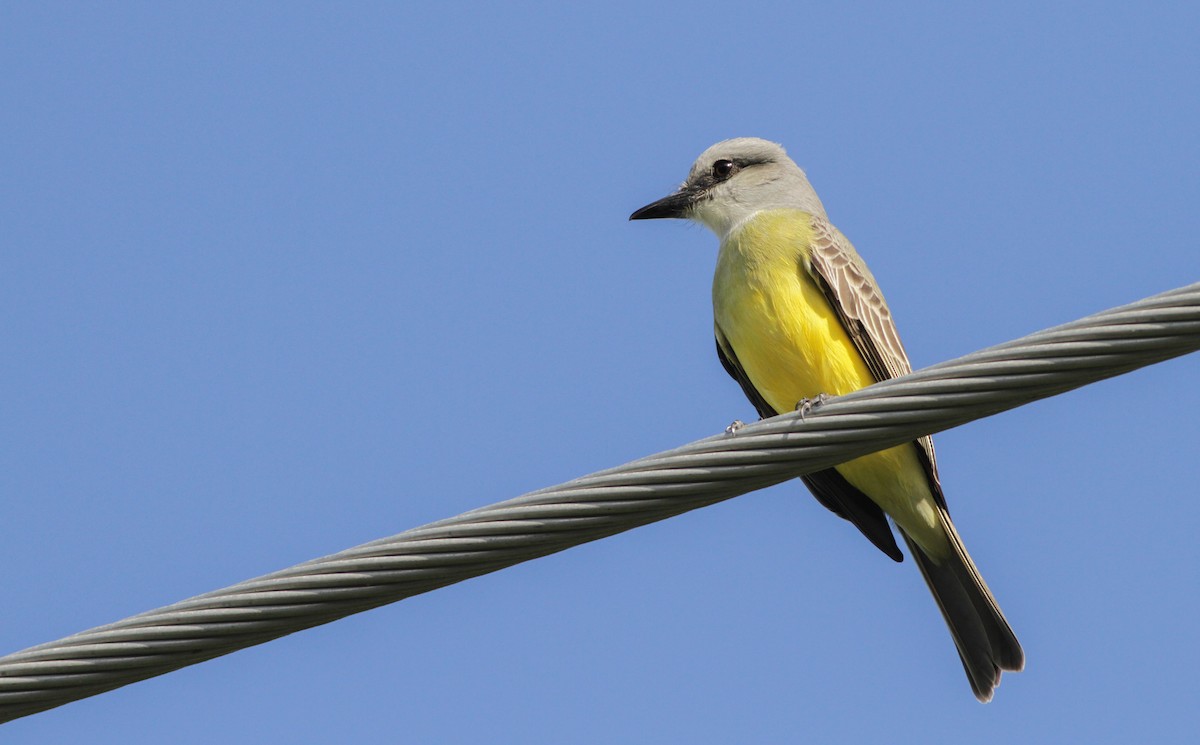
<point x="798" y="316"/>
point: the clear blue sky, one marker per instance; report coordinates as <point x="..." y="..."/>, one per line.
<point x="278" y="281"/>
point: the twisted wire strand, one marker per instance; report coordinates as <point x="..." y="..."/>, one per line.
<point x="601" y="504"/>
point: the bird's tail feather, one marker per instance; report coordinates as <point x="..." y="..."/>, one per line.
<point x="984" y="639"/>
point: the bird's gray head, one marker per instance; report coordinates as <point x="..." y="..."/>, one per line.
<point x="731" y="181"/>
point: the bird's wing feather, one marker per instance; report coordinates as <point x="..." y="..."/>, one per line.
<point x="854" y="295"/>
<point x="983" y="637"/>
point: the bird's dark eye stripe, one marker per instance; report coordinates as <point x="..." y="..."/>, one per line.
<point x="726" y="167"/>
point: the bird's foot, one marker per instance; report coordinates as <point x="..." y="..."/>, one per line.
<point x="734" y="426"/>
<point x="807" y="406"/>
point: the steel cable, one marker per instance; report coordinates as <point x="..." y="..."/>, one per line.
<point x="601" y="504"/>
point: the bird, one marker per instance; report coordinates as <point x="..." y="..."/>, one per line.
<point x="798" y="316"/>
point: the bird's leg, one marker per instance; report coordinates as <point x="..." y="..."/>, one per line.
<point x="807" y="406"/>
<point x="734" y="426"/>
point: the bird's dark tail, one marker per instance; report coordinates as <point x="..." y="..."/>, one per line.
<point x="985" y="642"/>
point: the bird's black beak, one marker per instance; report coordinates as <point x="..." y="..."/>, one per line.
<point x="675" y="205"/>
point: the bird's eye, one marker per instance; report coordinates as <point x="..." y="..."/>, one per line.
<point x="722" y="169"/>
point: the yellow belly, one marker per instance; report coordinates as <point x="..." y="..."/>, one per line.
<point x="792" y="346"/>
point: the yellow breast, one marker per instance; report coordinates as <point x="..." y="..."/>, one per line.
<point x="783" y="330"/>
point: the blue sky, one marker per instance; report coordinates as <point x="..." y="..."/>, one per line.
<point x="281" y="280"/>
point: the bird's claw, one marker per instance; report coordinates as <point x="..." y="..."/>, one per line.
<point x="807" y="406"/>
<point x="734" y="426"/>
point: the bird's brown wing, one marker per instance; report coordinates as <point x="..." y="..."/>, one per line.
<point x="853" y="294"/>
